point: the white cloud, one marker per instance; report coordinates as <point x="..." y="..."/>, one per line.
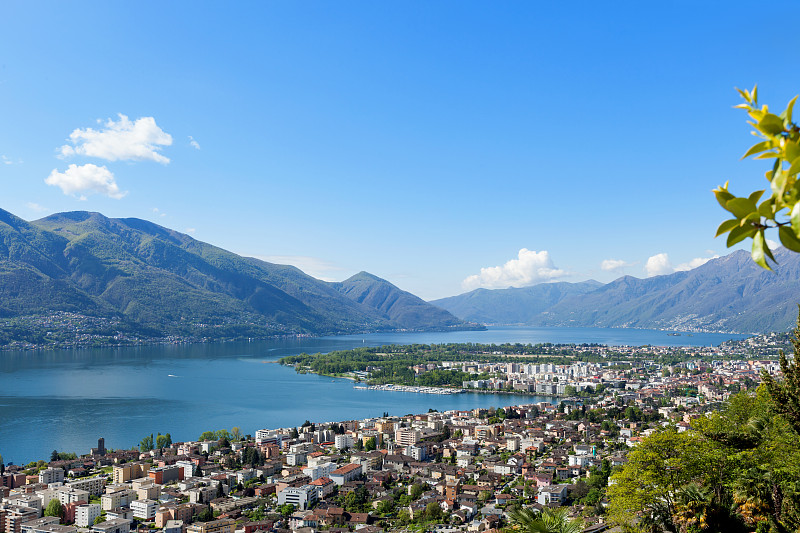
<point x="85" y="178"/>
<point x="158" y="212"/>
<point x="773" y="245"/>
<point x="529" y="268"/>
<point x="191" y="230"/>
<point x="123" y="140"/>
<point x="313" y="266"/>
<point x="194" y="143"/>
<point x="36" y="207"/>
<point x="8" y="161"/>
<point x="614" y="264"/>
<point x="660" y="264"/>
<point x="694" y="263"/>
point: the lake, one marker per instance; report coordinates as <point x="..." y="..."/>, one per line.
<point x="66" y="399"/>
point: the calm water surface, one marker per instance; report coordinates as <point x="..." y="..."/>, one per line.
<point x="66" y="399"/>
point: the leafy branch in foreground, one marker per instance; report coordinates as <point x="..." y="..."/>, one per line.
<point x="780" y="140"/>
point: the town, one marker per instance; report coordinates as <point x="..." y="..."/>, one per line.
<point x="448" y="472"/>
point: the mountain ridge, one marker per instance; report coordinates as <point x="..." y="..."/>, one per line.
<point x="162" y="280"/>
<point x="729" y="293"/>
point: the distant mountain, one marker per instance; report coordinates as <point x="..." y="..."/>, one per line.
<point x="512" y="306"/>
<point x="730" y="294"/>
<point x="396" y="306"/>
<point x="168" y="282"/>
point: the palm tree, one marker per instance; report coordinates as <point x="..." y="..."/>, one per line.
<point x="547" y="521"/>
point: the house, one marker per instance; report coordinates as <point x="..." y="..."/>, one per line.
<point x="554" y="494"/>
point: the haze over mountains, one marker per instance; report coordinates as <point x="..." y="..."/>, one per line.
<point x="730" y="294"/>
<point x="169" y="283"/>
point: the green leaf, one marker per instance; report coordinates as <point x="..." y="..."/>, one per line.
<point x="794" y="168"/>
<point x="727" y="226"/>
<point x="741" y="207"/>
<point x="723" y="196"/>
<point x="794" y="217"/>
<point x="739" y="234"/>
<point x="757" y="253"/>
<point x="791" y="150"/>
<point x="755" y="196"/>
<point x="787" y="114"/>
<point x="770" y="124"/>
<point x="789" y="239"/>
<point x="757" y="148"/>
<point x="765" y="209"/>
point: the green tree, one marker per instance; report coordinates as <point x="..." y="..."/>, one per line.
<point x="206" y="515"/>
<point x="54" y="508"/>
<point x="146" y="443"/>
<point x="547" y="521"/>
<point x="370" y="445"/>
<point x="780" y="141"/>
<point x="785" y="393"/>
<point x="433" y="511"/>
<point x="286" y="509"/>
<point x="99" y="520"/>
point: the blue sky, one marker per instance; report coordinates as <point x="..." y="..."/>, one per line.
<point x="425" y="142"/>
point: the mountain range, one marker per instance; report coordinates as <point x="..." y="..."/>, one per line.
<point x="165" y="282"/>
<point x="730" y="294"/>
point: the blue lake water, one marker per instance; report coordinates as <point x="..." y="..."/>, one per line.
<point x="66" y="399"/>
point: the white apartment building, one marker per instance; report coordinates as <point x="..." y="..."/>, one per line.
<point x="51" y="475"/>
<point x="144" y="509"/>
<point x="301" y="497"/>
<point x="117" y="498"/>
<point x="343" y="441"/>
<point x="86" y="513"/>
<point x="69" y="494"/>
<point x="321" y="470"/>
<point x="93" y="485"/>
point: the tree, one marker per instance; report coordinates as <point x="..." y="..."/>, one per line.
<point x="236" y="433"/>
<point x="206" y="515"/>
<point x="99" y="519"/>
<point x="779" y="140"/>
<point x="370" y="445"/>
<point x="547" y="521"/>
<point x="163" y="441"/>
<point x="286" y="509"/>
<point x="54" y="508"/>
<point x="433" y="511"/>
<point x="146" y="444"/>
<point x="785" y="394"/>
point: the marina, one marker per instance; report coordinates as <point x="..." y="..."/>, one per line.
<point x="410" y="388"/>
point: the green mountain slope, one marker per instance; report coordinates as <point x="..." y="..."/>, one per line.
<point x="397" y="306"/>
<point x="164" y="281"/>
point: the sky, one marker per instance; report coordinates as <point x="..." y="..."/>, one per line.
<point x="444" y="146"/>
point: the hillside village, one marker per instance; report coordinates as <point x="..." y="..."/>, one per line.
<point x="446" y="472"/>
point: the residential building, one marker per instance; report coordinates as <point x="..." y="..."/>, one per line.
<point x="301" y="497"/>
<point x="86" y="513"/>
<point x="93" y="485"/>
<point x="342" y="475"/>
<point x="114" y="525"/>
<point x="144" y="509"/>
<point x="225" y="525"/>
<point x="129" y="471"/>
<point x="51" y="475"/>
